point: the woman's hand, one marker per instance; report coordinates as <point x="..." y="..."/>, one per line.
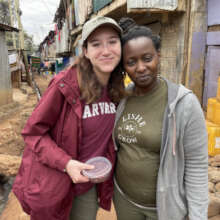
<point x="74" y="169"/>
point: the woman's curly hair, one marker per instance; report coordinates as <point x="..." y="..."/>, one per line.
<point x="131" y="31"/>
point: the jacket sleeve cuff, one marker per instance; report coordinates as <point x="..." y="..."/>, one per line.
<point x="61" y="165"/>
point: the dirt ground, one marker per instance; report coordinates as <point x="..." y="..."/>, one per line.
<point x="13" y="211"/>
<point x="12" y="119"/>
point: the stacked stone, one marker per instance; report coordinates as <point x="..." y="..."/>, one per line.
<point x="214" y="188"/>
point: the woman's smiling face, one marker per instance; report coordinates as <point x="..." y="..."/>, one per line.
<point x="104" y="50"/>
<point x="140" y="61"/>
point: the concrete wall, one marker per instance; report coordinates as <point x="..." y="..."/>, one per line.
<point x="5" y="77"/>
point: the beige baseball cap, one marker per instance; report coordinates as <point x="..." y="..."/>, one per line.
<point x="96" y="22"/>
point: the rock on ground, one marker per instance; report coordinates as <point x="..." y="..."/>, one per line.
<point x="9" y="165"/>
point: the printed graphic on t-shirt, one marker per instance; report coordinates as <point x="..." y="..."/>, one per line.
<point x="97" y="109"/>
<point x="130" y="127"/>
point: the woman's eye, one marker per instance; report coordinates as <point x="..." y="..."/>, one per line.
<point x="113" y="42"/>
<point x="95" y="44"/>
<point x="130" y="63"/>
<point x="148" y="59"/>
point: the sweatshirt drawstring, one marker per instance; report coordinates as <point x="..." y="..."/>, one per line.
<point x="174" y="134"/>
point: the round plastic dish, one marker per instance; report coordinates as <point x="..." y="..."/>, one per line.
<point x="101" y="171"/>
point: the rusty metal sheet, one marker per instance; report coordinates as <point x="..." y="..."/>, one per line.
<point x="170" y="5"/>
<point x="212" y="71"/>
<point x="213" y="12"/>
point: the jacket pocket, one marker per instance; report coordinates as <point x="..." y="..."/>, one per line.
<point x="171" y="205"/>
<point x="48" y="188"/>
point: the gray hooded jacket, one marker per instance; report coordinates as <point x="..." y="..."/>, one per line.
<point x="182" y="184"/>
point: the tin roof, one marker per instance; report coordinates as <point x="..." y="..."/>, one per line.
<point x="5" y="27"/>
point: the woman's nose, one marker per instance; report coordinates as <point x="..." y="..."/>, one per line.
<point x="141" y="67"/>
<point x="105" y="49"/>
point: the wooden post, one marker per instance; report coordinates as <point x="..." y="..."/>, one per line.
<point x="12" y="23"/>
<point x="21" y="31"/>
<point x="29" y="79"/>
<point x="197" y="44"/>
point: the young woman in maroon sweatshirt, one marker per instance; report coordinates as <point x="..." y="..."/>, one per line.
<point x="72" y="123"/>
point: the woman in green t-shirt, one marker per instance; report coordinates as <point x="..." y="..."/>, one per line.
<point x="162" y="166"/>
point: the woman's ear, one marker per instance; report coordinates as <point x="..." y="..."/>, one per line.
<point x="158" y="53"/>
<point x="85" y="52"/>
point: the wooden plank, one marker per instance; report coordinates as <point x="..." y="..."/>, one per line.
<point x="182" y="5"/>
<point x="186" y="33"/>
<point x="213" y="12"/>
<point x="197" y="45"/>
<point x="172" y="48"/>
<point x="76" y="30"/>
<point x="213" y="38"/>
<point x="146" y="19"/>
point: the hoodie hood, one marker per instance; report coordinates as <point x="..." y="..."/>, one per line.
<point x="175" y="93"/>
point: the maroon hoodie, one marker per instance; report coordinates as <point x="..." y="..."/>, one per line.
<point x="52" y="136"/>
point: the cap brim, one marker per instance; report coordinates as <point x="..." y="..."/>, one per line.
<point x="115" y="27"/>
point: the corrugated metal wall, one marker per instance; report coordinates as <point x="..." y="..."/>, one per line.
<point x="213" y="12"/>
<point x="212" y="72"/>
<point x="212" y="67"/>
<point x="5" y="76"/>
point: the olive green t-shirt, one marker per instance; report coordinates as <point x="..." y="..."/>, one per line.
<point x="138" y="134"/>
